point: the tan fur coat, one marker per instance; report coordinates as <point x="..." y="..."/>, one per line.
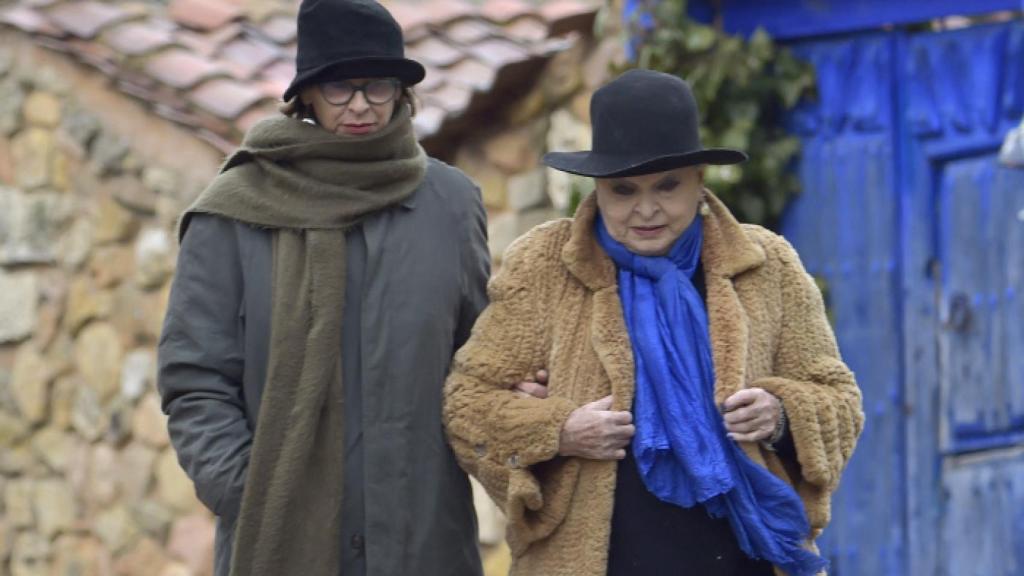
<point x="555" y="305"/>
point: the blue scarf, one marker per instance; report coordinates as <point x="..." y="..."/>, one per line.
<point x="681" y="447"/>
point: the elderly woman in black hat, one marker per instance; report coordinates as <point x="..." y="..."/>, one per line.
<point x="698" y="414"/>
<point x="325" y="279"/>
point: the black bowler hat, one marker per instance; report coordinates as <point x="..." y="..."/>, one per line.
<point x="644" y="122"/>
<point x="350" y="39"/>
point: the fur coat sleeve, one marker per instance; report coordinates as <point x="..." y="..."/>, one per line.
<point x="819" y="393"/>
<point x="498" y="434"/>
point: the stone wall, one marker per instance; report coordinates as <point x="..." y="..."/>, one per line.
<point x="504" y="156"/>
<point x="88" y="480"/>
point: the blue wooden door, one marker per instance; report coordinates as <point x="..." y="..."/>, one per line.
<point x="846" y="229"/>
<point x="965" y="343"/>
<point x="918" y="237"/>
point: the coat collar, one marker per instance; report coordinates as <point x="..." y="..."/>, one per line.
<point x="409" y="202"/>
<point x="727" y="252"/>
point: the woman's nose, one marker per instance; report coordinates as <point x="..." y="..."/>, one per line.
<point x="646" y="207"/>
<point x="358" y="103"/>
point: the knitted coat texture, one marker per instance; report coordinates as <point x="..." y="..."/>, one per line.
<point x="555" y="305"/>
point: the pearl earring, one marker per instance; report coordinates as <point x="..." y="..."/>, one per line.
<point x="705" y="210"/>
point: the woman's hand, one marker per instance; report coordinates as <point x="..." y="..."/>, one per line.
<point x="594" y="431"/>
<point x="538" y="388"/>
<point x="751" y="415"/>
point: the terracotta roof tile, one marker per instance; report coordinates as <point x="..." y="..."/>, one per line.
<point x="451" y="97"/>
<point x="142" y="92"/>
<point x="442" y="11"/>
<point x="434" y="79"/>
<point x="174" y="114"/>
<point x="257" y="113"/>
<point x="434" y="51"/>
<point x="208" y="43"/>
<point x="134" y="77"/>
<point x="280" y="28"/>
<point x="208" y="65"/>
<point x="555" y="10"/>
<point x="499" y="52"/>
<point x="468" y="31"/>
<point x="271" y="87"/>
<point x="280" y="71"/>
<point x="225" y="98"/>
<point x="410" y="16"/>
<point x="527" y="29"/>
<point x="28" y="20"/>
<point x="506" y="10"/>
<point x="86" y="19"/>
<point x="180" y="68"/>
<point x="56" y="44"/>
<point x="473" y="74"/>
<point x="203" y="14"/>
<point x="245" y="57"/>
<point x="95" y="54"/>
<point x="138" y="38"/>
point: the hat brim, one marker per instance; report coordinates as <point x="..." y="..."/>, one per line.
<point x="410" y="72"/>
<point x="597" y="165"/>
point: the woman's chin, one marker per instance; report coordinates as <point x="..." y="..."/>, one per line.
<point x="649" y="247"/>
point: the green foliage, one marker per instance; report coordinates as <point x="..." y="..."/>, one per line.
<point x="743" y="89"/>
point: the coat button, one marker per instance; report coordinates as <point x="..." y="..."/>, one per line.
<point x="480" y="450"/>
<point x="513" y="461"/>
<point x="357" y="543"/>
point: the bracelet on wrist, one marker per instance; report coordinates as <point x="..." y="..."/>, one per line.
<point x="780" y="429"/>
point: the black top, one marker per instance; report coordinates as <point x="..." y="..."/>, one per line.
<point x="654" y="538"/>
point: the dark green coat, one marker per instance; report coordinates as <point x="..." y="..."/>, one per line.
<point x="421" y="268"/>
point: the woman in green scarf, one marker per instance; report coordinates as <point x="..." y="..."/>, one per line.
<point x="325" y="279"/>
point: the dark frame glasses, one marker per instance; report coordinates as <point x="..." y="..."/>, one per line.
<point x="341" y="92"/>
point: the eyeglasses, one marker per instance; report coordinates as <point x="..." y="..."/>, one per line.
<point x="341" y="92"/>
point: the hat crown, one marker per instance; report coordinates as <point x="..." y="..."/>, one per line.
<point x="333" y="30"/>
<point x="644" y="111"/>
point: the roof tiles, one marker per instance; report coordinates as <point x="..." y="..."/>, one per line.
<point x="213" y="66"/>
<point x="181" y="69"/>
<point x="29" y="20"/>
<point x="506" y="10"/>
<point x="225" y="98"/>
<point x="246" y="56"/>
<point x="203" y="15"/>
<point x="138" y="38"/>
<point x="85" y="19"/>
<point x="280" y="28"/>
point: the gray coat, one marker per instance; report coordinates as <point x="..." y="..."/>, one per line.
<point x="419" y="272"/>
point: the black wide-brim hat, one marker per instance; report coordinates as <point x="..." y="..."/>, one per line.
<point x="643" y="122"/>
<point x="350" y="39"/>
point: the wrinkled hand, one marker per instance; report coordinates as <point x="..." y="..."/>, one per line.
<point x="538" y="388"/>
<point x="751" y="415"/>
<point x="596" y="432"/>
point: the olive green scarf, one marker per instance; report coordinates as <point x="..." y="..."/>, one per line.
<point x="309" y="186"/>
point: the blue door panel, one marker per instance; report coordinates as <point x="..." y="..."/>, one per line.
<point x="985" y="516"/>
<point x="980" y="208"/>
<point x="845" y="226"/>
<point x="917" y="234"/>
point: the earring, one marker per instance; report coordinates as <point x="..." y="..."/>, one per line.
<point x="705" y="210"/>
